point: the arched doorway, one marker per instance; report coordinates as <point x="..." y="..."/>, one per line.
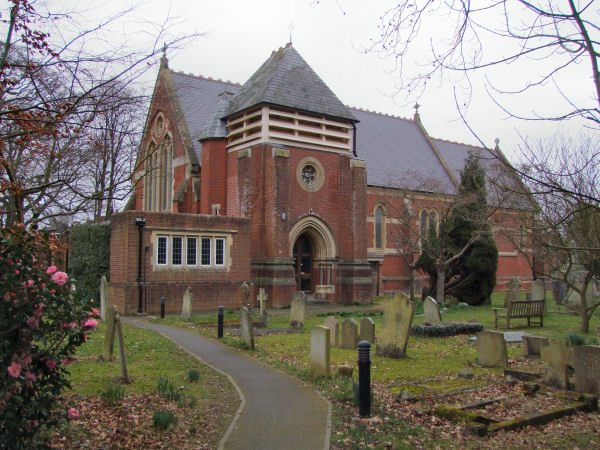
<point x="303" y="263"/>
<point x="314" y="252"/>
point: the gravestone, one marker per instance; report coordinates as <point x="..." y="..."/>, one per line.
<point x="334" y="333"/>
<point x="514" y="291"/>
<point x="559" y="291"/>
<point x="262" y="301"/>
<point x="246" y="327"/>
<point x="432" y="311"/>
<point x="395" y="329"/>
<point x="538" y="290"/>
<point x="587" y="369"/>
<point x="555" y="355"/>
<point x="103" y="297"/>
<point x="298" y="311"/>
<point x="367" y="330"/>
<point x="491" y="349"/>
<point x="573" y="299"/>
<point x="186" y="308"/>
<point x="349" y="334"/>
<point x="319" y="351"/>
<point x="532" y="345"/>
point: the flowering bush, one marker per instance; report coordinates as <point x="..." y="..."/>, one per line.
<point x="41" y="323"/>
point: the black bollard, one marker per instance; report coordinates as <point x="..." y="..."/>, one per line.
<point x="364" y="379"/>
<point x="220" y="326"/>
<point x="162" y="307"/>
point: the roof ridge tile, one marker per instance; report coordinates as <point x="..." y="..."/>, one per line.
<point x="206" y="78"/>
<point x="463" y="144"/>
<point x="379" y="113"/>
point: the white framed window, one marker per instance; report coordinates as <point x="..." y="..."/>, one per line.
<point x="191" y="251"/>
<point x="161" y="250"/>
<point x="219" y="251"/>
<point x="205" y="251"/>
<point x="177" y="251"/>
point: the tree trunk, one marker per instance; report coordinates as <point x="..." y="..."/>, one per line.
<point x="585" y="316"/>
<point x="441" y="280"/>
<point x="412" y="283"/>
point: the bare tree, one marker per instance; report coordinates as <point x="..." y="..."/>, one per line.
<point x="567" y="230"/>
<point x="557" y="39"/>
<point x="58" y="81"/>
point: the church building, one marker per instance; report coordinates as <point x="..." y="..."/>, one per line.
<point x="277" y="183"/>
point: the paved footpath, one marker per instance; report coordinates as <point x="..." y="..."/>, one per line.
<point x="276" y="412"/>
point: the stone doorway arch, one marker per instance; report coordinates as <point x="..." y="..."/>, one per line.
<point x="313" y="249"/>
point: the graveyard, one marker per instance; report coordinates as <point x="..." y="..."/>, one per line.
<point x="430" y="387"/>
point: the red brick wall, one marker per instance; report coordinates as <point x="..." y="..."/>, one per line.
<point x="210" y="288"/>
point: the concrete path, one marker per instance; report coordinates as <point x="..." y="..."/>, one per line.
<point x="277" y="411"/>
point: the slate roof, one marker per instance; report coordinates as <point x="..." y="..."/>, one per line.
<point x="398" y="155"/>
<point x="285" y="79"/>
<point x="199" y="98"/>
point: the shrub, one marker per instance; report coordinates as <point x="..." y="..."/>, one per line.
<point x="576" y="340"/>
<point x="193" y="375"/>
<point x="162" y="419"/>
<point x="42" y="322"/>
<point x="167" y="390"/>
<point x="113" y="392"/>
<point x="446" y="329"/>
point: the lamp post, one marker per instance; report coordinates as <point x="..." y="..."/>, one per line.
<point x="140" y="222"/>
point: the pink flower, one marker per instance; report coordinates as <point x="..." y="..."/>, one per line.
<point x="14" y="369"/>
<point x="29" y="283"/>
<point x="43" y="285"/>
<point x="53" y="291"/>
<point x="60" y="278"/>
<point x="70" y="325"/>
<point x="72" y="413"/>
<point x="50" y="363"/>
<point x="30" y="376"/>
<point x="32" y="323"/>
<point x="50" y="270"/>
<point x="17" y="272"/>
<point x="25" y="359"/>
<point x="90" y="323"/>
<point x="94" y="312"/>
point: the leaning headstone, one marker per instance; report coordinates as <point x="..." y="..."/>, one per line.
<point x="319" y="351"/>
<point x="103" y="297"/>
<point x="555" y="355"/>
<point x="559" y="291"/>
<point x="186" y="308"/>
<point x="109" y="337"/>
<point x="349" y="334"/>
<point x="514" y="291"/>
<point x="538" y="290"/>
<point x="587" y="369"/>
<point x="491" y="349"/>
<point x="262" y="301"/>
<point x="395" y="329"/>
<point x="367" y="330"/>
<point x="334" y="334"/>
<point x="298" y="311"/>
<point x="432" y="311"/>
<point x="532" y="345"/>
<point x="246" y="327"/>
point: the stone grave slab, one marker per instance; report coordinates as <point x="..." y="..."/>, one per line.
<point x="532" y="345"/>
<point x="367" y="330"/>
<point x="186" y="308"/>
<point x="432" y="311"/>
<point x="262" y="301"/>
<point x="298" y="310"/>
<point x="559" y="291"/>
<point x="349" y="334"/>
<point x="514" y="291"/>
<point x="103" y="297"/>
<point x="397" y="320"/>
<point x="538" y="290"/>
<point x="319" y="351"/>
<point x="246" y="327"/>
<point x="334" y="331"/>
<point x="555" y="355"/>
<point x="491" y="349"/>
<point x="587" y="369"/>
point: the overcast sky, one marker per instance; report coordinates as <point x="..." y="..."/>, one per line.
<point x="239" y="35"/>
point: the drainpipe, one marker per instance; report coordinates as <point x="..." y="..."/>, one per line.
<point x="354" y="140"/>
<point x="140" y="222"/>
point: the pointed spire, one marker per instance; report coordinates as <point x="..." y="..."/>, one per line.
<point x="497" y="141"/>
<point x="417" y="116"/>
<point x="164" y="62"/>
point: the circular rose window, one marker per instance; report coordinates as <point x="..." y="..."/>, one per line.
<point x="310" y="174"/>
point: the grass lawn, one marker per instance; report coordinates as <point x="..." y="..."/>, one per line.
<point x="406" y="390"/>
<point x="115" y="415"/>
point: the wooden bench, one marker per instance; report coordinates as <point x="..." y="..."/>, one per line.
<point x="521" y="309"/>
